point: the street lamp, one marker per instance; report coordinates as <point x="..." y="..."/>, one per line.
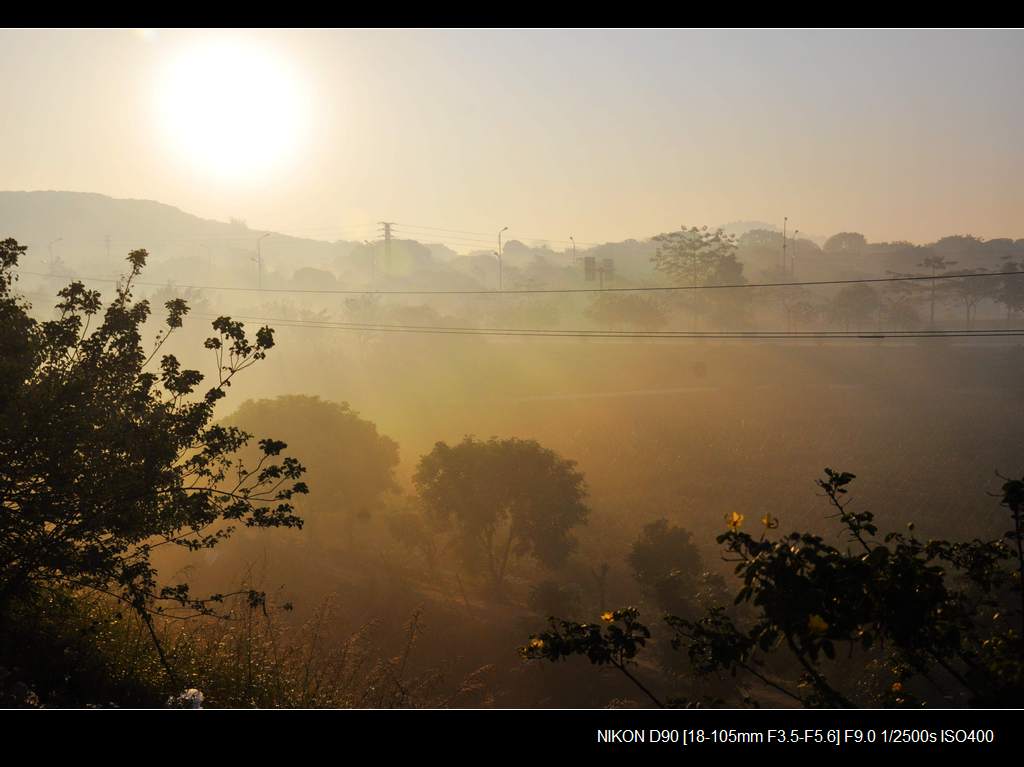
<point x="573" y="241"/>
<point x="259" y="260"/>
<point x="499" y="256"/>
<point x="792" y="270"/>
<point x="785" y="220"/>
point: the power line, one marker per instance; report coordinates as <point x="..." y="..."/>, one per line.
<point x="522" y="291"/>
<point x="444" y="239"/>
<point x="485" y="234"/>
<point x="667" y="334"/>
<point x="687" y="333"/>
<point x="438" y="229"/>
<point x="611" y="334"/>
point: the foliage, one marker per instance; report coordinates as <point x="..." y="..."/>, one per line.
<point x="606" y="643"/>
<point x="856" y="305"/>
<point x="936" y="264"/>
<point x="958" y="245"/>
<point x="351" y="465"/>
<point x="1010" y="290"/>
<point x="760" y="239"/>
<point x="846" y="243"/>
<point x="503" y="498"/>
<point x="618" y="310"/>
<point x="549" y="597"/>
<point x="935" y="615"/>
<point x="698" y="256"/>
<point x="898" y="302"/>
<point x="416" y="533"/>
<point x="797" y="305"/>
<point x="82" y="650"/>
<point x="103" y="460"/>
<point x="968" y="293"/>
<point x="667" y="565"/>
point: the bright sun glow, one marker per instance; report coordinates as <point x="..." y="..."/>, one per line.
<point x="232" y="109"/>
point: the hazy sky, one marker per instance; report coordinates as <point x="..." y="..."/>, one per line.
<point x="601" y="134"/>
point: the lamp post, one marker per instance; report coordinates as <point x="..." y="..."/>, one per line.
<point x="792" y="270"/>
<point x="785" y="220"/>
<point x="499" y="256"/>
<point x="573" y="241"/>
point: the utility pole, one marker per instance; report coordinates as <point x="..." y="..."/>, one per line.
<point x="499" y="257"/>
<point x="792" y="270"/>
<point x="259" y="260"/>
<point x="387" y="243"/>
<point x="573" y="241"/>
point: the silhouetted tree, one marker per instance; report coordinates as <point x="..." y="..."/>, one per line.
<point x="856" y="305"/>
<point x="615" y="310"/>
<point x="846" y="243"/>
<point x="667" y="565"/>
<point x="938" y="264"/>
<point x="351" y="465"/>
<point x="797" y="306"/>
<point x="969" y="292"/>
<point x="104" y="460"/>
<point x="1010" y="290"/>
<point x="698" y="257"/>
<point x="938" y="620"/>
<point x="897" y="302"/>
<point x="960" y="245"/>
<point x="503" y="499"/>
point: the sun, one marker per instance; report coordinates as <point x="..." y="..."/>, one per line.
<point x="232" y="109"/>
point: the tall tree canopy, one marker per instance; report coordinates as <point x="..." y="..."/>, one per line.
<point x="852" y="243"/>
<point x="351" y="465"/>
<point x="698" y="256"/>
<point x="502" y="499"/>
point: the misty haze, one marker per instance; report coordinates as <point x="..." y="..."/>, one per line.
<point x="511" y="368"/>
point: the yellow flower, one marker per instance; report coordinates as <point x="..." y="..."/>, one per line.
<point x="769" y="521"/>
<point x="608" y="616"/>
<point x="817" y="625"/>
<point x="734" y="520"/>
<point x="537" y="644"/>
<point x="897" y="687"/>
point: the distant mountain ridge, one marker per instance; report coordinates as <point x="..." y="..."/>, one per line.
<point x="95" y="232"/>
<point x="39" y="217"/>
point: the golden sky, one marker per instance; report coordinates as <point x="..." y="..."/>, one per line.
<point x="601" y="134"/>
